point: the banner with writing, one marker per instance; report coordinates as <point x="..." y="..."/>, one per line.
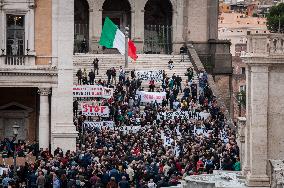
<point x="128" y="129"/>
<point x="92" y="91"/>
<point x="99" y="124"/>
<point x="156" y="75"/>
<point x="184" y="115"/>
<point x="148" y="97"/>
<point x="95" y="110"/>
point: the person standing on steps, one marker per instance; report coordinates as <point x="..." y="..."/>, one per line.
<point x="183" y="52"/>
<point x="96" y="65"/>
<point x="170" y="64"/>
<point x="92" y="76"/>
<point x="79" y="75"/>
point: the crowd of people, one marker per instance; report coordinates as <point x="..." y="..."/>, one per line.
<point x="159" y="154"/>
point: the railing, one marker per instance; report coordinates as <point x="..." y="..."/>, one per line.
<point x="15" y="60"/>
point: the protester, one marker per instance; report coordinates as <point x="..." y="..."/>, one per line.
<point x="170" y="64"/>
<point x="96" y="65"/>
<point x="92" y="76"/>
<point x="79" y="75"/>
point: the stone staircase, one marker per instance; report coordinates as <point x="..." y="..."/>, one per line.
<point x="144" y="62"/>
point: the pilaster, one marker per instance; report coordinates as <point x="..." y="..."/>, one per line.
<point x="257" y="175"/>
<point x="43" y="127"/>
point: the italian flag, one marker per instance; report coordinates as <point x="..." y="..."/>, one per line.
<point x="112" y="37"/>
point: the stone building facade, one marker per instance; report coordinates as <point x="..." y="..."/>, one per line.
<point x="167" y="22"/>
<point x="36" y="71"/>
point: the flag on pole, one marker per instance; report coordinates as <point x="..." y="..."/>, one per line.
<point x="112" y="37"/>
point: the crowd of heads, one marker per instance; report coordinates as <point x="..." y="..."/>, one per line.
<point x="159" y="153"/>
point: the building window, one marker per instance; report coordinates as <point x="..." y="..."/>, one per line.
<point x="242" y="88"/>
<point x="243" y="70"/>
<point x="15" y="39"/>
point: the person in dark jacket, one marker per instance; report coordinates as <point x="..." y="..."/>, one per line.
<point x="79" y="76"/>
<point x="96" y="65"/>
<point x="123" y="183"/>
<point x="92" y="76"/>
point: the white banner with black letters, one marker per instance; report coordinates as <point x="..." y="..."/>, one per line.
<point x="92" y="91"/>
<point x="156" y="75"/>
<point x="184" y="115"/>
<point x="99" y="124"/>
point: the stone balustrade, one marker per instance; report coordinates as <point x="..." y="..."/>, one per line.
<point x="263" y="45"/>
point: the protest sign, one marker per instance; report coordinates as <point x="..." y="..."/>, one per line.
<point x="184" y="115"/>
<point x="92" y="91"/>
<point x="148" y="97"/>
<point x="95" y="110"/>
<point x="156" y="75"/>
<point x="99" y="124"/>
<point x="127" y="129"/>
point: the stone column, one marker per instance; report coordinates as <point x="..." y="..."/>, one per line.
<point x="257" y="175"/>
<point x="95" y="27"/>
<point x="178" y="25"/>
<point x="246" y="158"/>
<point x="43" y="127"/>
<point x="137" y="25"/>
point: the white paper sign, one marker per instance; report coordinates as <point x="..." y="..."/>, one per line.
<point x="148" y="97"/>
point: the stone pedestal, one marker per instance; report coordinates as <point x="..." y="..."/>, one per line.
<point x="43" y="128"/>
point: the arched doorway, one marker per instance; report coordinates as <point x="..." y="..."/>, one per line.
<point x="119" y="12"/>
<point x="158" y="26"/>
<point x="81" y="27"/>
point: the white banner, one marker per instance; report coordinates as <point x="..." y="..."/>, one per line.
<point x="156" y="75"/>
<point x="148" y="97"/>
<point x="92" y="91"/>
<point x="95" y="110"/>
<point x="127" y="129"/>
<point x="184" y="115"/>
<point x="99" y="124"/>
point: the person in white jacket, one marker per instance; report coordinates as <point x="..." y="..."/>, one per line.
<point x="152" y="184"/>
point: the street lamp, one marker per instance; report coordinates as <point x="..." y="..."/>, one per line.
<point x="240" y="98"/>
<point x="15" y="132"/>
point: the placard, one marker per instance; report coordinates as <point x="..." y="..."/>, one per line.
<point x="148" y="97"/>
<point x="92" y="91"/>
<point x="156" y="75"/>
<point x="95" y="110"/>
<point x="184" y="115"/>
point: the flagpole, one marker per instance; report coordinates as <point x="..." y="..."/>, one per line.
<point x="126" y="46"/>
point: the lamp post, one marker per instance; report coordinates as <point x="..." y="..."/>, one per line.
<point x="126" y="46"/>
<point x="15" y="132"/>
<point x="240" y="98"/>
